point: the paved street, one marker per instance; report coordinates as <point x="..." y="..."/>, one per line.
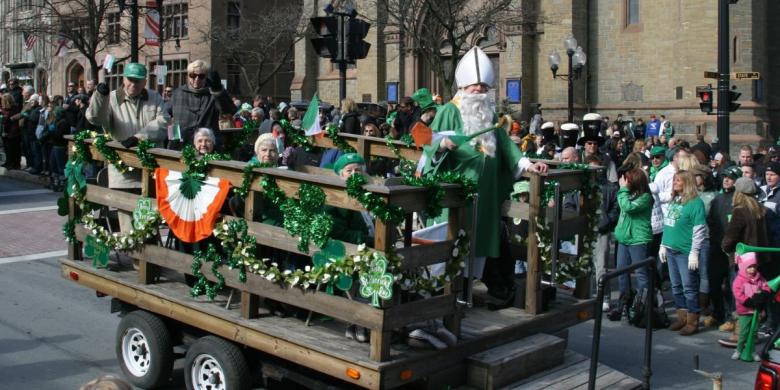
<point x="55" y="334"/>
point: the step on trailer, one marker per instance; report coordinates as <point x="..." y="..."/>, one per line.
<point x="230" y="342"/>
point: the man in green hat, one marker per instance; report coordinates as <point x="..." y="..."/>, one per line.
<point x="129" y="114"/>
<point x="658" y="160"/>
<point x="428" y="107"/>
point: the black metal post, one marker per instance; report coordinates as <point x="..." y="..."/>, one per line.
<point x="570" y="79"/>
<point x="723" y="73"/>
<point x="341" y="58"/>
<point x="134" y="31"/>
<point x="647" y="370"/>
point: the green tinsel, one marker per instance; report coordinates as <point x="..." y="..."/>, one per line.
<point x="69" y="231"/>
<point x="338" y="141"/>
<point x="202" y="285"/>
<point x="297" y="136"/>
<point x="249" y="128"/>
<point x="147" y="160"/>
<point x="80" y="149"/>
<point x="246" y="179"/>
<point x="110" y="154"/>
<point x="408" y="140"/>
<point x="198" y="167"/>
<point x="304" y="217"/>
<point x="372" y="202"/>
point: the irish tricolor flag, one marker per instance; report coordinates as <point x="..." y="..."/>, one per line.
<point x="311" y="120"/>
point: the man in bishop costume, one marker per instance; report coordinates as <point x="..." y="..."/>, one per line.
<point x="491" y="159"/>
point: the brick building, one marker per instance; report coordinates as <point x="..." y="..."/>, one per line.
<point x="644" y="57"/>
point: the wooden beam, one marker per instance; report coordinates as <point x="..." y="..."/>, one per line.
<point x="113" y="198"/>
<point x="533" y="288"/>
<point x="424" y="309"/>
<point x="74" y="248"/>
<point x="426" y="254"/>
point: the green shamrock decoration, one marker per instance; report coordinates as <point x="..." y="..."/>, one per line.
<point x="97" y="250"/>
<point x="190" y="185"/>
<point x="75" y="176"/>
<point x="62" y="206"/>
<point x="333" y="251"/>
<point x="143" y="213"/>
<point x="377" y="283"/>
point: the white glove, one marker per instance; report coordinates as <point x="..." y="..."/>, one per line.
<point x="662" y="254"/>
<point x="693" y="261"/>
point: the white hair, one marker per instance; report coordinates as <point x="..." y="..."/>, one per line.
<point x="477" y="111"/>
<point x="198" y="66"/>
<point x="258" y="111"/>
<point x="204" y="131"/>
<point x="28" y="89"/>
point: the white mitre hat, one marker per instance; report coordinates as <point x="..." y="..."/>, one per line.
<point x="474" y="68"/>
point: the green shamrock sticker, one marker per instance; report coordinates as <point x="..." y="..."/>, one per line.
<point x="377" y="283"/>
<point x="75" y="176"/>
<point x="332" y="251"/>
<point x="344" y="282"/>
<point x="97" y="250"/>
<point x="143" y="213"/>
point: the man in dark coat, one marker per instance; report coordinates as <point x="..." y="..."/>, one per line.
<point x="200" y="102"/>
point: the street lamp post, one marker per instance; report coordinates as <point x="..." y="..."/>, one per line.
<point x="577" y="60"/>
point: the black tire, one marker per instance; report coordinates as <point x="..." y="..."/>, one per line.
<point x="144" y="348"/>
<point x="215" y="359"/>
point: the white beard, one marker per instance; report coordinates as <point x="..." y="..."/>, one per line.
<point x="477" y="111"/>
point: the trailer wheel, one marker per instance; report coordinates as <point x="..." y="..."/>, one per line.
<point x="215" y="364"/>
<point x="144" y="348"/>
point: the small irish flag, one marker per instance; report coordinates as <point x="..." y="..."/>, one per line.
<point x="311" y="120"/>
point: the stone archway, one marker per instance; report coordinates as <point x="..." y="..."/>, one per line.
<point x="75" y="74"/>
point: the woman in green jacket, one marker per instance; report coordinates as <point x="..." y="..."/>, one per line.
<point x="633" y="231"/>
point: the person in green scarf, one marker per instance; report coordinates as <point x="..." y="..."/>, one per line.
<point x="658" y="160"/>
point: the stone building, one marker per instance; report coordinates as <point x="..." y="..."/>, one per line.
<point x="185" y="25"/>
<point x="644" y="57"/>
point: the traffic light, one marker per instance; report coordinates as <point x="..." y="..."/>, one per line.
<point x="326" y="44"/>
<point x="733" y="96"/>
<point x="357" y="48"/>
<point x="705" y="98"/>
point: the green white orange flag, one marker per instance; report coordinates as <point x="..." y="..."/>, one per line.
<point x="311" y="120"/>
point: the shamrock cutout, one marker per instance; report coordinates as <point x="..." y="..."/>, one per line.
<point x="344" y="282"/>
<point x="332" y="251"/>
<point x="75" y="176"/>
<point x="62" y="206"/>
<point x="97" y="250"/>
<point x="377" y="283"/>
<point x="143" y="213"/>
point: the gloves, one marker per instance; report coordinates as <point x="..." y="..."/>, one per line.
<point x="213" y="81"/>
<point x="103" y="89"/>
<point x="130" y="142"/>
<point x="760" y="299"/>
<point x="693" y="261"/>
<point x="749" y="303"/>
<point x="662" y="254"/>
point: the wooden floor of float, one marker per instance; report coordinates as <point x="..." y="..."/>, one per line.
<point x="481" y="329"/>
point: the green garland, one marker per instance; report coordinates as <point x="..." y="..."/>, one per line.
<point x="338" y="141"/>
<point x="372" y="202"/>
<point x="297" y="136"/>
<point x="249" y="128"/>
<point x="247" y="175"/>
<point x="198" y="167"/>
<point x="110" y="154"/>
<point x="69" y="231"/>
<point x="305" y="218"/>
<point x="142" y="152"/>
<point x="202" y="286"/>
<point x="407" y="139"/>
<point x="80" y="149"/>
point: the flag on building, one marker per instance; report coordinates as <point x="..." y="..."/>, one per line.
<point x="152" y="29"/>
<point x="311" y="120"/>
<point x="63" y="44"/>
<point x="29" y="40"/>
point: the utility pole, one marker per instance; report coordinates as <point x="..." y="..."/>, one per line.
<point x="724" y="76"/>
<point x="160" y="87"/>
<point x="134" y="31"/>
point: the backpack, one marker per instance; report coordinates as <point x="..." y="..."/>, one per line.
<point x="636" y="312"/>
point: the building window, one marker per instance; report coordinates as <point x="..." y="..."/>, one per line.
<point x="632" y="12"/>
<point x="175" y="76"/>
<point x="114" y="80"/>
<point x="113" y="28"/>
<point x="234" y="78"/>
<point x="175" y="20"/>
<point x="25" y="4"/>
<point x="233" y="16"/>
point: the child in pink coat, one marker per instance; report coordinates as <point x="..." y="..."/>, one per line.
<point x="747" y="285"/>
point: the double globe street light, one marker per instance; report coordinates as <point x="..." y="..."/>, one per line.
<point x="577" y="60"/>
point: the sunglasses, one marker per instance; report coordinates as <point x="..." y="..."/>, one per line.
<point x="658" y="156"/>
<point x="197" y="76"/>
<point x="590" y="143"/>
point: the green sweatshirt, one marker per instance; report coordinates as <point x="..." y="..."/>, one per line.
<point x="633" y="226"/>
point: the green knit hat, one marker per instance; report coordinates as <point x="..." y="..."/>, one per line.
<point x="423" y="98"/>
<point x="346" y="159"/>
<point x="134" y="70"/>
<point x="732" y="172"/>
<point x="656" y="150"/>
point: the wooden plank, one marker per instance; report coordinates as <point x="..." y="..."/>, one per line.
<point x="510" y="362"/>
<point x="380" y="345"/>
<point x="244" y="334"/>
<point x="250" y="303"/>
<point x="278" y="237"/>
<point x="74" y="248"/>
<point x="455" y="221"/>
<point x="424" y="309"/>
<point x="533" y="291"/>
<point x="113" y="198"/>
<point x="425" y="254"/>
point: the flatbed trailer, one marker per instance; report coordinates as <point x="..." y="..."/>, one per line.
<point x="163" y="313"/>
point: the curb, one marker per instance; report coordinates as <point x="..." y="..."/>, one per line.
<point x="23" y="176"/>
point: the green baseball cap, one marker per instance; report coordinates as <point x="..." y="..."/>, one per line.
<point x="732" y="172"/>
<point x="346" y="159"/>
<point x="656" y="150"/>
<point x="134" y="70"/>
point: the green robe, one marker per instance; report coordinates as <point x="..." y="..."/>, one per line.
<point x="494" y="177"/>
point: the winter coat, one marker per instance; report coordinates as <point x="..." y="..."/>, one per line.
<point x="195" y="109"/>
<point x="609" y="208"/>
<point x="717" y="221"/>
<point x="770" y="198"/>
<point x="123" y="117"/>
<point x="633" y="226"/>
<point x="11" y="127"/>
<point x="746" y="228"/>
<point x="745" y="286"/>
<point x="350" y="123"/>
